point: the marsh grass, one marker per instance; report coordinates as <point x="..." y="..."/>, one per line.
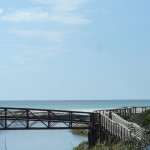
<point x="81" y="132"/>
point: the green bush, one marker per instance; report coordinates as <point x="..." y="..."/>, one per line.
<point x="135" y="144"/>
<point x="142" y="119"/>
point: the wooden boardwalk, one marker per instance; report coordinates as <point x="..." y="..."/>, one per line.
<point x="112" y="122"/>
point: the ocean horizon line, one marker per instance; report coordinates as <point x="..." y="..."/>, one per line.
<point x="81" y="100"/>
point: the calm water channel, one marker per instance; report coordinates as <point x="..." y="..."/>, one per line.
<point x="39" y="140"/>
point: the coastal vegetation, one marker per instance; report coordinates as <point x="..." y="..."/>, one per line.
<point x="81" y="132"/>
<point x="132" y="144"/>
<point x="116" y="145"/>
<point x="142" y="119"/>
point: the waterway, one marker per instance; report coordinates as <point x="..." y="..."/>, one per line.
<point x="39" y="140"/>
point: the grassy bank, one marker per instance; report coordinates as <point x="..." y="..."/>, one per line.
<point x="113" y="146"/>
<point x="81" y="132"/>
<point x="132" y="144"/>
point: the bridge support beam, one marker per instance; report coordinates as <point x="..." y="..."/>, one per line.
<point x="92" y="138"/>
<point x="100" y="135"/>
<point x="93" y="134"/>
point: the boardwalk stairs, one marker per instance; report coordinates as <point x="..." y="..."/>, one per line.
<point x="112" y="123"/>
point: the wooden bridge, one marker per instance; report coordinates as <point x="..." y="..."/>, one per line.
<point x="102" y="124"/>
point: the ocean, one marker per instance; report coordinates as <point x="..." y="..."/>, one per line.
<point x="55" y="139"/>
<point x="75" y="104"/>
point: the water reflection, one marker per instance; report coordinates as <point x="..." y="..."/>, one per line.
<point x="39" y="139"/>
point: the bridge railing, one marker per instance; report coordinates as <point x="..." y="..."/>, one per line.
<point x="125" y="112"/>
<point x="24" y="118"/>
<point x="135" y="129"/>
<point x="136" y="110"/>
<point x="117" y="114"/>
<point x="114" y="128"/>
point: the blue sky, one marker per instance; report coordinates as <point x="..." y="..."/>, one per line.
<point x="74" y="49"/>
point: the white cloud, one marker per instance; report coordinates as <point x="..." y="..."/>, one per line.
<point x="40" y="52"/>
<point x="54" y="36"/>
<point x="61" y="11"/>
<point x="1" y="11"/>
<point x="26" y="15"/>
<point x="70" y="19"/>
<point x="63" y="5"/>
<point x="20" y="59"/>
<point x="36" y="54"/>
<point x="66" y="5"/>
<point x="35" y="14"/>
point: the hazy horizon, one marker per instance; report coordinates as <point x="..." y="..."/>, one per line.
<point x="80" y="100"/>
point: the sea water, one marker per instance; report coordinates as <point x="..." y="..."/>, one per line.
<point x="75" y="104"/>
<point x="55" y="139"/>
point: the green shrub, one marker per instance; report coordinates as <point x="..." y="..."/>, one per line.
<point x="142" y="119"/>
<point x="135" y="144"/>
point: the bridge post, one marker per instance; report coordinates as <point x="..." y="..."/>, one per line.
<point x="93" y="131"/>
<point x="91" y="138"/>
<point x="101" y="130"/>
<point x="27" y="121"/>
<point x="102" y="135"/>
<point x="5" y="118"/>
<point x="49" y="119"/>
